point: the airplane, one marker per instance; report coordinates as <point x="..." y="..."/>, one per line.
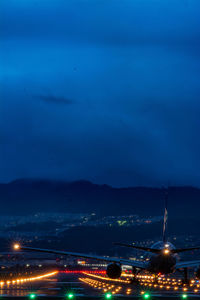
<point x="163" y="259"/>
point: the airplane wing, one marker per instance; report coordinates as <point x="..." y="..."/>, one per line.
<point x="187" y="264"/>
<point x="147" y="249"/>
<point x="184" y="249"/>
<point x="137" y="264"/>
<point x="156" y="251"/>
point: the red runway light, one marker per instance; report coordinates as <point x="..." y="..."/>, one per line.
<point x="81" y="271"/>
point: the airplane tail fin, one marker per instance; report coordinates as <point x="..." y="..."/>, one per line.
<point x="165" y="218"/>
<point x="156" y="251"/>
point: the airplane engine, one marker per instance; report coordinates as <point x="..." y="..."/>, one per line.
<point x="114" y="271"/>
<point x="197" y="273"/>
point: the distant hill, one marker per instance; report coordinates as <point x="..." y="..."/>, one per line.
<point x="29" y="196"/>
<point x="79" y="239"/>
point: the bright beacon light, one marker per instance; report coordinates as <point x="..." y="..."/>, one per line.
<point x="184" y="296"/>
<point x="32" y="296"/>
<point x="166" y="251"/>
<point x="16" y="246"/>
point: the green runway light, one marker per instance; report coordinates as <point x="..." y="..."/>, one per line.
<point x="108" y="295"/>
<point x="32" y="296"/>
<point x="70" y="296"/>
<point x="146" y="296"/>
<point x="184" y="296"/>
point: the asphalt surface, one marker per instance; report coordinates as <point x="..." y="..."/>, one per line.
<point x="61" y="285"/>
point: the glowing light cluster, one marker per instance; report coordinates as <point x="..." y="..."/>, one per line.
<point x="105" y="278"/>
<point x="149" y="282"/>
<point x="100" y="285"/>
<point x="26" y="279"/>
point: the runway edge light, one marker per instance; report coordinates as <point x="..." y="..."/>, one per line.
<point x="32" y="296"/>
<point x="108" y="295"/>
<point x="146" y="296"/>
<point x="70" y="296"/>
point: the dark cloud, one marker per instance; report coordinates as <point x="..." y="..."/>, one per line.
<point x="55" y="100"/>
<point x="137" y="119"/>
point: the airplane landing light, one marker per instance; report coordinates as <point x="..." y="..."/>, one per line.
<point x="166" y="251"/>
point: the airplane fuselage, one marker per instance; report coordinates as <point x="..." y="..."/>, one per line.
<point x="162" y="263"/>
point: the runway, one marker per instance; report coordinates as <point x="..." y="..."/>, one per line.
<point x="85" y="285"/>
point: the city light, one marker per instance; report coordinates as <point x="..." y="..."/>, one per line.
<point x="105" y="278"/>
<point x="111" y="286"/>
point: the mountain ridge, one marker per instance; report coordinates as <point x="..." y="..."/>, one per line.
<point x="25" y="196"/>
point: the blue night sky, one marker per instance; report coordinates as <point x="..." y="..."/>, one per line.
<point x="103" y="90"/>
